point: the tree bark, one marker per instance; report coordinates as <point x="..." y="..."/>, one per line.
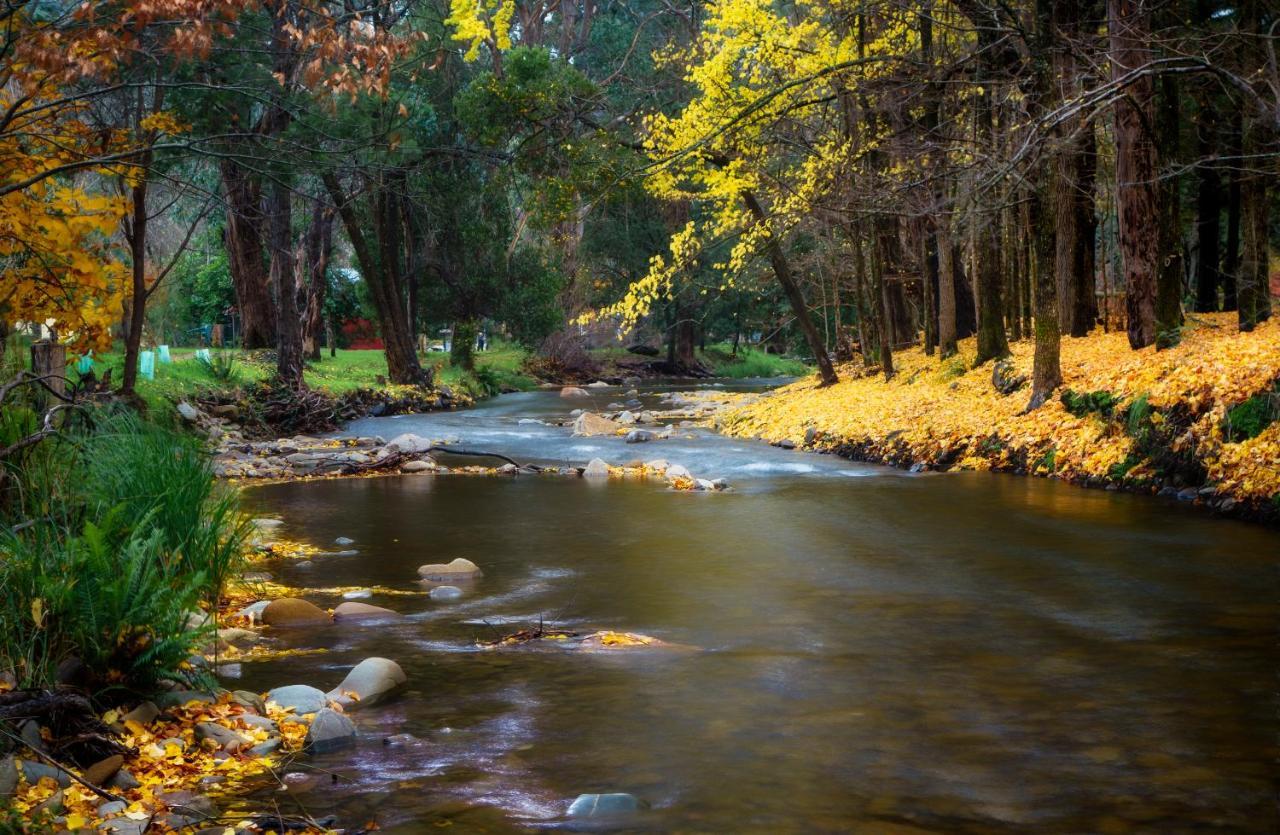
<point x="245" y="256"/>
<point x="136" y="235"/>
<point x="1137" y="192"/>
<point x="319" y="248"/>
<point x="946" y="290"/>
<point x="1253" y="290"/>
<point x="782" y="271"/>
<point x="284" y="275"/>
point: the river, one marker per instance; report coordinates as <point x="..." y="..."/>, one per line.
<point x="860" y="650"/>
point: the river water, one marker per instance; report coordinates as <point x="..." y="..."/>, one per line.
<point x="859" y="650"/>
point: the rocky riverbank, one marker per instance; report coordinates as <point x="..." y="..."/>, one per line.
<point x="1199" y="422"/>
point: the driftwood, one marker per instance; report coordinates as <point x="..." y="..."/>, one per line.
<point x="78" y="733"/>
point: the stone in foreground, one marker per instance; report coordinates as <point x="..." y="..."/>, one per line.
<point x="330" y="731"/>
<point x="460" y="569"/>
<point x="603" y="805"/>
<point x="368" y="683"/>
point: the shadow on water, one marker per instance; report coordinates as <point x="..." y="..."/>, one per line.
<point x="884" y="653"/>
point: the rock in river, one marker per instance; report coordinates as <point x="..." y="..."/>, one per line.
<point x="639" y="436"/>
<point x="589" y="424"/>
<point x="369" y="682"/>
<point x="459" y="569"/>
<point x="445" y="593"/>
<point x="596" y="468"/>
<point x="330" y="730"/>
<point x="303" y="698"/>
<point x="290" y="611"/>
<point x="573" y="391"/>
<point x="362" y="611"/>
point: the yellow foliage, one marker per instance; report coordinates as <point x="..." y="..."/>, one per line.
<point x="930" y="414"/>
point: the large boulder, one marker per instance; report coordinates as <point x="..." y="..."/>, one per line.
<point x="408" y="443"/>
<point x="330" y="730"/>
<point x="352" y="610"/>
<point x="369" y="682"/>
<point x="290" y="611"/>
<point x="303" y="698"/>
<point x="589" y="424"/>
<point x="459" y="569"/>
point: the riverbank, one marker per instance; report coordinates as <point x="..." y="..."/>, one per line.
<point x="1197" y="422"/>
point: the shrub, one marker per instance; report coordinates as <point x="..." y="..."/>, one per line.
<point x="221" y="366"/>
<point x="1248" y="419"/>
<point x="1095" y="402"/>
<point x="120" y="534"/>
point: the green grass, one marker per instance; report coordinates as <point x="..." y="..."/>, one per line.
<point x="349" y="370"/>
<point x="751" y="362"/>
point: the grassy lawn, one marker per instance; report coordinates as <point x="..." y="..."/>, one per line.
<point x="347" y="371"/>
<point x="185" y="376"/>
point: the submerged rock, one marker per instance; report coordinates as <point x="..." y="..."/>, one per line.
<point x="573" y="391"/>
<point x="290" y="611"/>
<point x="445" y="593"/>
<point x="459" y="569"/>
<point x="603" y="805"/>
<point x="369" y="682"/>
<point x="640" y="436"/>
<point x="344" y="540"/>
<point x="352" y="610"/>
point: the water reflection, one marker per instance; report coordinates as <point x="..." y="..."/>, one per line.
<point x="967" y="653"/>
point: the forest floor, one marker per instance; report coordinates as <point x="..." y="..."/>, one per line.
<point x="1200" y="421"/>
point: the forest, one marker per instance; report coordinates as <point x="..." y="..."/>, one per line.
<point x="676" y="248"/>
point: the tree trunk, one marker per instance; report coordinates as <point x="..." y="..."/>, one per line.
<point x="1208" y="231"/>
<point x="946" y="290"/>
<point x="782" y="271"/>
<point x="1231" y="257"/>
<point x="136" y="235"/>
<point x="319" y="247"/>
<point x="1169" y="279"/>
<point x="380" y="272"/>
<point x="1253" y="290"/>
<point x="245" y="257"/>
<point x="1137" y="192"/>
<point x="284" y="275"/>
<point x="1047" y="364"/>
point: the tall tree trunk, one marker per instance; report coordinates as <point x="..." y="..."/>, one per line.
<point x="1047" y="364"/>
<point x="782" y="271"/>
<point x="136" y="235"/>
<point x="380" y="272"/>
<point x="946" y="289"/>
<point x="1253" y="290"/>
<point x="1231" y="257"/>
<point x="1137" y="192"/>
<point x="1169" y="279"/>
<point x="284" y="275"/>
<point x="245" y="256"/>
<point x="319" y="248"/>
<point x="1085" y="313"/>
<point x="1208" y="231"/>
<point x="886" y="309"/>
